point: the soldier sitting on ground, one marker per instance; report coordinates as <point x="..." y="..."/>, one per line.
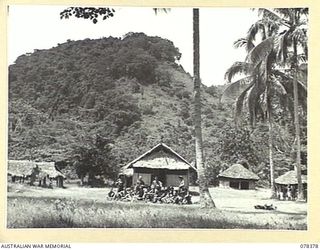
<point x="120" y="189"/>
<point x="186" y="196"/>
<point x="139" y="186"/>
<point x="156" y="185"/>
<point x="167" y="195"/>
<point x="149" y="194"/>
<point x="111" y="193"/>
<point x="181" y="184"/>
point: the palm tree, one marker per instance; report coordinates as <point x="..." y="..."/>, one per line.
<point x="258" y="77"/>
<point x="286" y="45"/>
<point x="94" y="13"/>
<point x="263" y="80"/>
<point x="205" y="197"/>
<point x="258" y="95"/>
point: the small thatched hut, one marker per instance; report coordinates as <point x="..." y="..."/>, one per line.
<point x="163" y="162"/>
<point x="290" y="178"/>
<point x="288" y="183"/>
<point x="238" y="177"/>
<point x="23" y="169"/>
<point x="20" y="168"/>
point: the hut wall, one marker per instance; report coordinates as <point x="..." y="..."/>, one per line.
<point x="146" y="177"/>
<point x="252" y="185"/>
<point x="168" y="177"/>
<point x="224" y="183"/>
<point x="242" y="184"/>
<point x="234" y="183"/>
<point x="173" y="180"/>
<point x="59" y="181"/>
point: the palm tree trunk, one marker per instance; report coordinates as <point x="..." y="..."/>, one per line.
<point x="270" y="139"/>
<point x="272" y="181"/>
<point x="205" y="197"/>
<point x="296" y="123"/>
<point x="82" y="180"/>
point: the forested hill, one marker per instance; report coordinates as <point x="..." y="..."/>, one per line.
<point x="104" y="102"/>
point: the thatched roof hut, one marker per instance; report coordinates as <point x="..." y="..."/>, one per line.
<point x="237" y="176"/>
<point x="48" y="168"/>
<point x="290" y="178"/>
<point x="237" y="171"/>
<point x="163" y="162"/>
<point x="22" y="168"/>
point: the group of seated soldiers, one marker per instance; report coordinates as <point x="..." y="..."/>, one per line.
<point x="155" y="193"/>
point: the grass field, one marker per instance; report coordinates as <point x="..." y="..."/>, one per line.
<point x="76" y="207"/>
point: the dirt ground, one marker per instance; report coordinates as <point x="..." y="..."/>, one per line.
<point x="245" y="200"/>
<point x="224" y="198"/>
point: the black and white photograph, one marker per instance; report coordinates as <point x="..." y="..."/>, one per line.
<point x="141" y="117"/>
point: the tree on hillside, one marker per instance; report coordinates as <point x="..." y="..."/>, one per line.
<point x="237" y="144"/>
<point x="93" y="158"/>
<point x="94" y="13"/>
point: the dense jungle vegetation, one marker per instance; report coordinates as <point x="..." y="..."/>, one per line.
<point x="94" y="105"/>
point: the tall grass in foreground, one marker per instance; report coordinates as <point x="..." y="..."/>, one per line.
<point x="65" y="213"/>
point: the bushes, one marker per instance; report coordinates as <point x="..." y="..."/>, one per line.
<point x="213" y="91"/>
<point x="134" y="64"/>
<point x="182" y="93"/>
<point x="147" y="109"/>
<point x="163" y="77"/>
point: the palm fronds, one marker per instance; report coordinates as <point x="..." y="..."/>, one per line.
<point x="287" y="83"/>
<point x="159" y="10"/>
<point x="240" y="101"/>
<point x="261" y="52"/>
<point x="281" y="44"/>
<point x="260" y="68"/>
<point x="243" y="42"/>
<point x="235" y="87"/>
<point x="254" y="29"/>
<point x="278" y="86"/>
<point x="273" y="16"/>
<point x="253" y="100"/>
<point x="238" y="68"/>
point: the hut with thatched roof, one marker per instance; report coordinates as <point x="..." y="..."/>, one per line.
<point x="20" y="168"/>
<point x="290" y="178"/>
<point x="288" y="182"/>
<point x="44" y="171"/>
<point x="238" y="177"/>
<point x="163" y="162"/>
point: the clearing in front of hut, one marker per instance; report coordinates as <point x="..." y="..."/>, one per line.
<point x="76" y="207"/>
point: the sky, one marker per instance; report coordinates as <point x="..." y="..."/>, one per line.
<point x="40" y="27"/>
